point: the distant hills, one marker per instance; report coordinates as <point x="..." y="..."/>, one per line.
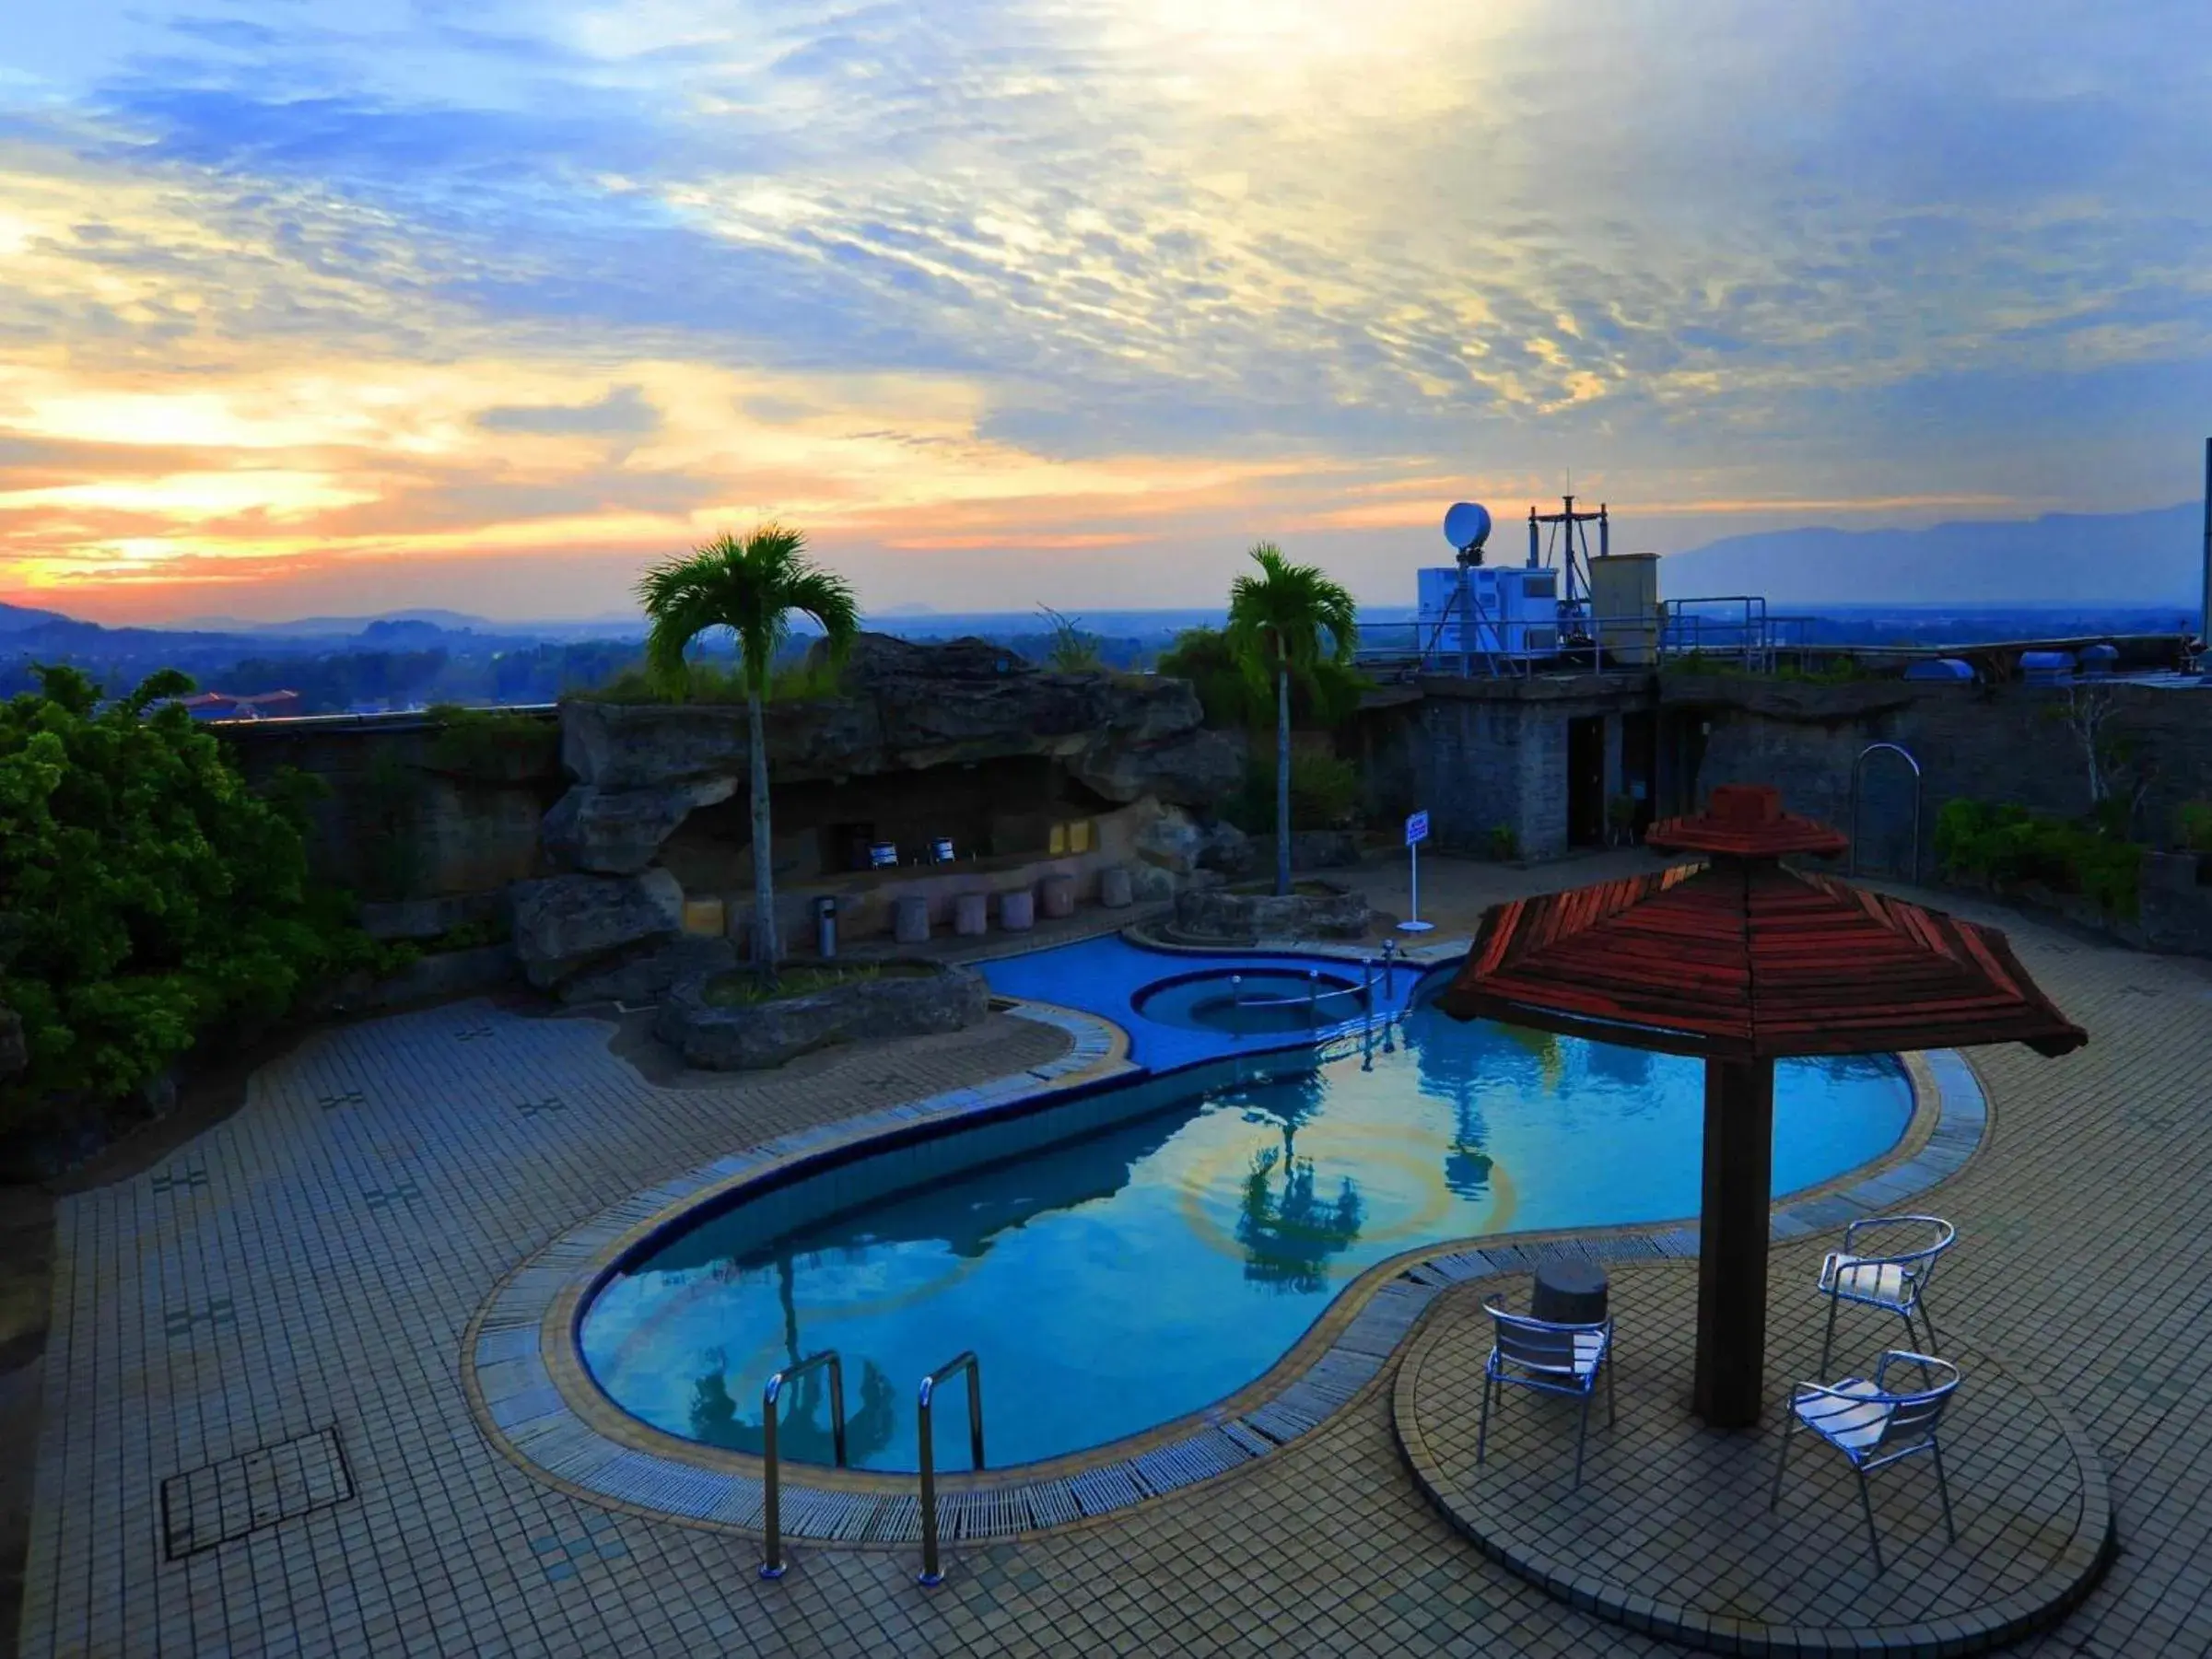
<point x="2093" y="559"/>
<point x="18" y="619"/>
<point x="347" y="627"/>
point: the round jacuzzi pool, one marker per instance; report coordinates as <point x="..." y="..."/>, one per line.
<point x="1252" y="1002"/>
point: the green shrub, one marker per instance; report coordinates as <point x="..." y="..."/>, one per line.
<point x="1325" y="794"/>
<point x="495" y="745"/>
<point x="1504" y="843"/>
<point x="1322" y="697"/>
<point x="151" y="895"/>
<point x="2007" y="845"/>
<point x="2193" y="826"/>
<point x="796" y="682"/>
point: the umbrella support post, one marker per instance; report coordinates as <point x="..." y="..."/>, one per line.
<point x="1732" y="1242"/>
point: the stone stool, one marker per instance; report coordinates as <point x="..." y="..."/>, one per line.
<point x="1017" y="911"/>
<point x="1114" y="890"/>
<point x="971" y="914"/>
<point x="910" y="921"/>
<point x="1057" y="896"/>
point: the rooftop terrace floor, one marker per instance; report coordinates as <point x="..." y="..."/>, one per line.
<point x="315" y="1262"/>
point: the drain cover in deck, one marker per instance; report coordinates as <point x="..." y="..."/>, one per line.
<point x="220" y="1502"/>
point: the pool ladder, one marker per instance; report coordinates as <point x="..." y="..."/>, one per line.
<point x="772" y="1485"/>
<point x="930" y="1576"/>
<point x="774" y="1566"/>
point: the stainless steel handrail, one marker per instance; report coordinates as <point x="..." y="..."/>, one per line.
<point x="1858" y="767"/>
<point x="772" y="1490"/>
<point x="931" y="1577"/>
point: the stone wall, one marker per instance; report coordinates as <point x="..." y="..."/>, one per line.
<point x="1478" y="754"/>
<point x="404" y="818"/>
<point x="1994" y="744"/>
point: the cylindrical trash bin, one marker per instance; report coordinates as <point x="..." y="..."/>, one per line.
<point x="971" y="914"/>
<point x="1114" y="890"/>
<point x="826" y="928"/>
<point x="1056" y="895"/>
<point x="1017" y="911"/>
<point x="910" y="920"/>
<point x="1569" y="1292"/>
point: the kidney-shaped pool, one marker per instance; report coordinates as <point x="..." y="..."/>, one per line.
<point x="1127" y="1256"/>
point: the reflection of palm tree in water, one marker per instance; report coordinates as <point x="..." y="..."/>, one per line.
<point x="1289" y="1236"/>
<point x="1450" y="1069"/>
<point x="804" y="1430"/>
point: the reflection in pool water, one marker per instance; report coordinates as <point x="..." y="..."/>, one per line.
<point x="1149" y="1268"/>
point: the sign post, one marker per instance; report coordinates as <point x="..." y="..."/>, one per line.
<point x="1417" y="831"/>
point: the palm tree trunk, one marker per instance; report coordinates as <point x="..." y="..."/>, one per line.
<point x="1283" y="779"/>
<point x="765" y="949"/>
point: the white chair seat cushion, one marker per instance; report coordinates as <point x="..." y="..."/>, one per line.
<point x="1866" y="1280"/>
<point x="1852" y="1424"/>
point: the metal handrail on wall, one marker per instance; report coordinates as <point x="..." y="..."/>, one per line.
<point x="1857" y="768"/>
<point x="931" y="1575"/>
<point x="772" y="1491"/>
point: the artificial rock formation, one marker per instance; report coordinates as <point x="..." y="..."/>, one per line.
<point x="748" y="1036"/>
<point x="565" y="925"/>
<point x="907" y="707"/>
<point x="641" y="769"/>
<point x="619" y="832"/>
<point x="1218" y="916"/>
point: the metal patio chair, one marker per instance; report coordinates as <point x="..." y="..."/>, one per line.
<point x="1895" y="1279"/>
<point x="1874" y="1425"/>
<point x="1550" y="1359"/>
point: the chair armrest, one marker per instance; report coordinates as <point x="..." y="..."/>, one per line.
<point x="1936" y="1224"/>
<point x="1929" y="1365"/>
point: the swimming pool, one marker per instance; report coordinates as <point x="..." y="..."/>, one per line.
<point x="1134" y="1253"/>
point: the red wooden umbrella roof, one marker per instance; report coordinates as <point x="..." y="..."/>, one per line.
<point x="1742" y="959"/>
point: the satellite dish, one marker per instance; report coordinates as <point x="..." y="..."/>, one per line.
<point x="1466" y="525"/>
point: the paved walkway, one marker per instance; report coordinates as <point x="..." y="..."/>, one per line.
<point x="312" y="1263"/>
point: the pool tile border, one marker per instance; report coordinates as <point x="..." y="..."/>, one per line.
<point x="535" y="1402"/>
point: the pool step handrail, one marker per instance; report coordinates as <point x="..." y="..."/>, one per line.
<point x="771" y="1495"/>
<point x="931" y="1575"/>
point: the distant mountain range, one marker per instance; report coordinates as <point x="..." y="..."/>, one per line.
<point x="2101" y="559"/>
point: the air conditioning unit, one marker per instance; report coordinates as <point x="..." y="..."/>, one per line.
<point x="1490" y="611"/>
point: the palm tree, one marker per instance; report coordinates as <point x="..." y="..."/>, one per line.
<point x="1277" y="622"/>
<point x="750" y="587"/>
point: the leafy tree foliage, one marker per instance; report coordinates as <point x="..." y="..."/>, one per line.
<point x="148" y="893"/>
<point x="1324" y="693"/>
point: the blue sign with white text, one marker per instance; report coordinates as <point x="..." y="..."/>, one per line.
<point x="1417" y="828"/>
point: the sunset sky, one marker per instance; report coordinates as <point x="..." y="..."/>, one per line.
<point x="308" y="307"/>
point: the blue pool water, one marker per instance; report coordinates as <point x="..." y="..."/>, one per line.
<point x="1136" y="1254"/>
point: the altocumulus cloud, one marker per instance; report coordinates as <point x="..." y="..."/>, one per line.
<point x="1702" y="251"/>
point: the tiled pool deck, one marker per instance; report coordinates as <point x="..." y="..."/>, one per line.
<point x="315" y="1263"/>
